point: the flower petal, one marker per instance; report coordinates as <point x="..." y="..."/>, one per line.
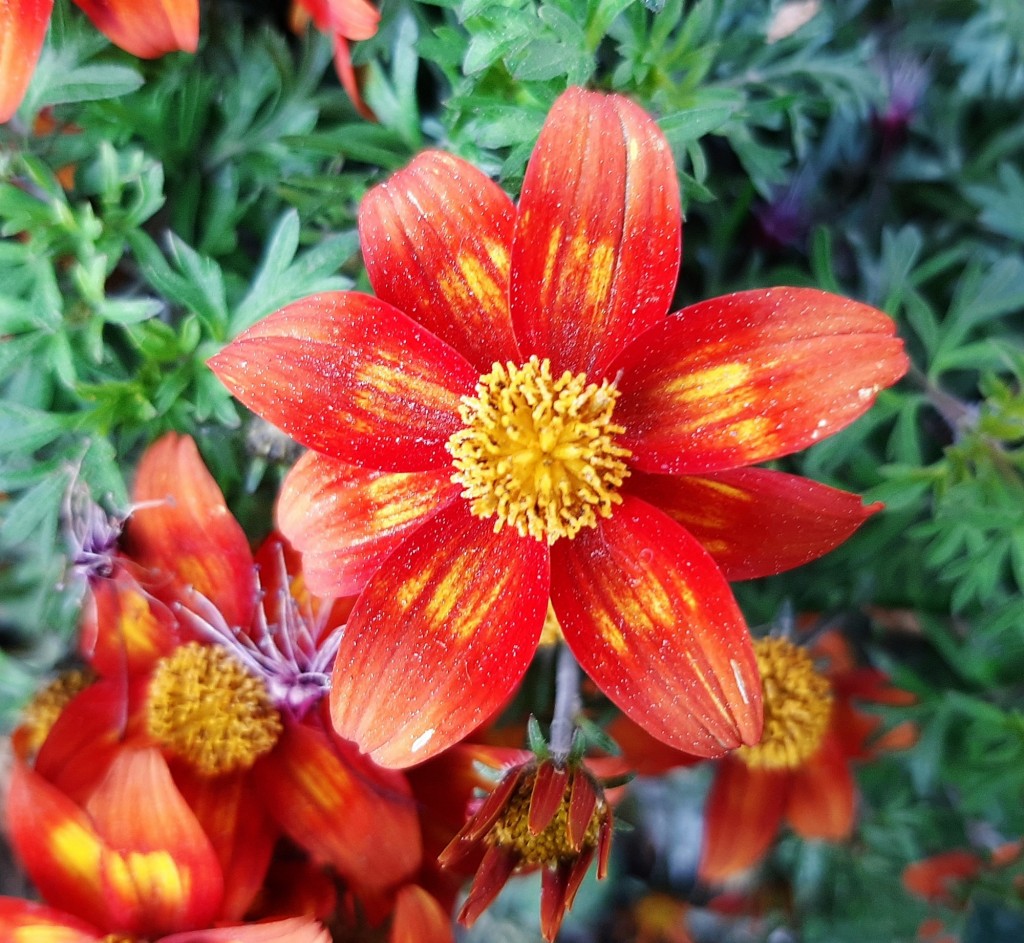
<point x="232" y="816"/>
<point x="653" y="622"/>
<point x="186" y="533"/>
<point x="336" y="804"/>
<point x="160" y="872"/>
<point x="346" y="520"/>
<point x="742" y="816"/>
<point x="439" y="638"/>
<point x="822" y="795"/>
<point x="23" y="26"/>
<point x="290" y="930"/>
<point x="149" y="28"/>
<point x="124" y="628"/>
<point x="419" y="918"/>
<point x="23" y="920"/>
<point x="755" y="522"/>
<point x="436" y="240"/>
<point x="598" y="238"/>
<point x="352" y="377"/>
<point x="752" y="376"/>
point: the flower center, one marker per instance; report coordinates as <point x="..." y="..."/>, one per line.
<point x="797" y="707"/>
<point x="47" y="705"/>
<point x="552" y="845"/>
<point x="539" y="453"/>
<point x="207" y="709"/>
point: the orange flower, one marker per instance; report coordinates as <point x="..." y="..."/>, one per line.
<point x="116" y="872"/>
<point x="537" y="428"/>
<point x="543" y="814"/>
<point x="145" y="28"/>
<point x="800" y="771"/>
<point x="344" y="21"/>
<point x="225" y="671"/>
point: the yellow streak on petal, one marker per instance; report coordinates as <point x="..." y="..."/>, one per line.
<point x="755" y="435"/>
<point x="554" y="244"/>
<point x="438" y="609"/>
<point x="498" y="254"/>
<point x="394" y="505"/>
<point x="193" y="572"/>
<point x="384" y="390"/>
<point x="486" y="291"/>
<point x="138" y="626"/>
<point x="726" y="490"/>
<point x="600" y="270"/>
<point x="45" y="934"/>
<point x="714" y="381"/>
<point x="76" y="849"/>
<point x="146" y="879"/>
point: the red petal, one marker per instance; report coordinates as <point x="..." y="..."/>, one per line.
<point x="933" y="878"/>
<point x="148" y="28"/>
<point x="749" y="377"/>
<point x="822" y="795"/>
<point x="756" y="522"/>
<point x="232" y="816"/>
<point x="85" y="739"/>
<point x="159" y="870"/>
<point x="582" y="805"/>
<point x="419" y="918"/>
<point x="547" y="795"/>
<point x="353" y="19"/>
<point x="598" y="237"/>
<point x="651" y="619"/>
<point x="125" y="629"/>
<point x="347" y="520"/>
<point x="187" y="534"/>
<point x="341" y="808"/>
<point x="743" y="813"/>
<point x="22" y="31"/>
<point x="440" y="637"/>
<point x="352" y="377"/>
<point x="554" y="896"/>
<point x="28" y="922"/>
<point x="436" y="240"/>
<point x="494" y="871"/>
<point x="292" y="930"/>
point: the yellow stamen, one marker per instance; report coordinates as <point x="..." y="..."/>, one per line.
<point x="797" y="707"/>
<point x="539" y="453"/>
<point x="46" y="707"/>
<point x="550" y="846"/>
<point x="551" y="633"/>
<point x="207" y="709"/>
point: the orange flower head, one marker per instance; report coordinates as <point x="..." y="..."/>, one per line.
<point x="208" y="710"/>
<point x="539" y="452"/>
<point x="516" y="422"/>
<point x="797" y="707"/>
<point x="550" y="815"/>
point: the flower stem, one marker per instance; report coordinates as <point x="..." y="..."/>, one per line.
<point x="567" y="703"/>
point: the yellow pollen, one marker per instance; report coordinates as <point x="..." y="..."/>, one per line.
<point x="797" y="707"/>
<point x="539" y="453"/>
<point x="206" y="708"/>
<point x="551" y="633"/>
<point x="550" y="846"/>
<point x="47" y="705"/>
<point x="120" y="938"/>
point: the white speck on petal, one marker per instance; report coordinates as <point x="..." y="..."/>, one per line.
<point x="739" y="680"/>
<point x="422" y="740"/>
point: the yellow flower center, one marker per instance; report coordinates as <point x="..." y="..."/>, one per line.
<point x="207" y="709"/>
<point x="550" y="846"/>
<point x="551" y="632"/>
<point x="539" y="453"/>
<point x="46" y="707"/>
<point x="797" y="707"/>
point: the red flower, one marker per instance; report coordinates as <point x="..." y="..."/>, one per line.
<point x="344" y="21"/>
<point x="542" y="814"/>
<point x="145" y="28"/>
<point x="536" y="381"/>
<point x="119" y="871"/>
<point x="222" y="661"/>
<point x="800" y="771"/>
